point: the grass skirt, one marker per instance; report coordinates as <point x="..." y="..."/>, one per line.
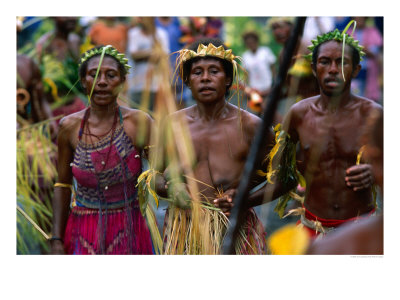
<point x="187" y="232"/>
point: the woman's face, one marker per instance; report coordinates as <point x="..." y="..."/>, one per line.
<point x="109" y="80"/>
<point x="208" y="80"/>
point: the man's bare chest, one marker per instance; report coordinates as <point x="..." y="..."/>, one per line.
<point x="330" y="138"/>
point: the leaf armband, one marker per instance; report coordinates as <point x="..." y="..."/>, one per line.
<point x="282" y="166"/>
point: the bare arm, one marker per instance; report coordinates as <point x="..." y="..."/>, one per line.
<point x="62" y="195"/>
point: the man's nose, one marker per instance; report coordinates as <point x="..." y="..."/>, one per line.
<point x="334" y="67"/>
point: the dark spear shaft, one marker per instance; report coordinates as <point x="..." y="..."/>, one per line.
<point x="259" y="142"/>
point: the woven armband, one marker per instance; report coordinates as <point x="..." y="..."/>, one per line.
<point x="63" y="185"/>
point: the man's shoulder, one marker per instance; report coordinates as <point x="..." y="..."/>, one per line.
<point x="365" y="106"/>
<point x="367" y="102"/>
<point x="301" y="106"/>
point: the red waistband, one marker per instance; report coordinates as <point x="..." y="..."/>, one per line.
<point x="332" y="222"/>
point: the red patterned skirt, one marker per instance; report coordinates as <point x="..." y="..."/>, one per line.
<point x="118" y="231"/>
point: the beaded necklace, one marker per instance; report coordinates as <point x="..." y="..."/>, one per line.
<point x="112" y="130"/>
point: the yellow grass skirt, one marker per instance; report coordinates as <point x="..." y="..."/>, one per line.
<point x="201" y="230"/>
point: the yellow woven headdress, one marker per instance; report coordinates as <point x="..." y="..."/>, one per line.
<point x="210" y="51"/>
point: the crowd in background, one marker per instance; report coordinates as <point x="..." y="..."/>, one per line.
<point x="252" y="38"/>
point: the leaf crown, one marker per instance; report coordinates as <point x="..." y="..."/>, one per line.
<point x="109" y="50"/>
<point x="337" y="36"/>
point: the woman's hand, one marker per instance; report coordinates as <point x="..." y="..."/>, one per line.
<point x="225" y="202"/>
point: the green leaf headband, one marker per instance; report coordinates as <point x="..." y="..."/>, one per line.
<point x="340" y="37"/>
<point x="109" y="50"/>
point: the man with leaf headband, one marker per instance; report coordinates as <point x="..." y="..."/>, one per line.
<point x="326" y="130"/>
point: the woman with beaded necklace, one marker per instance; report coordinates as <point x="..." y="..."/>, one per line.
<point x="101" y="147"/>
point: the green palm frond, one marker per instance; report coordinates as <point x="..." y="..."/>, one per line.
<point x="36" y="173"/>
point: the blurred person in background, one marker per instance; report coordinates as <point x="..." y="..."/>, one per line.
<point x="172" y="26"/>
<point x="259" y="63"/>
<point x="143" y="39"/>
<point x="58" y="53"/>
<point x="109" y="31"/>
<point x="368" y="81"/>
<point x="32" y="107"/>
<point x="300" y="82"/>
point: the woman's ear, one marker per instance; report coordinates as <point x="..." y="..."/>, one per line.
<point x="123" y="79"/>
<point x="83" y="83"/>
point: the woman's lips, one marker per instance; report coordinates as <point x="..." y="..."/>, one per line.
<point x="206" y="90"/>
<point x="102" y="93"/>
